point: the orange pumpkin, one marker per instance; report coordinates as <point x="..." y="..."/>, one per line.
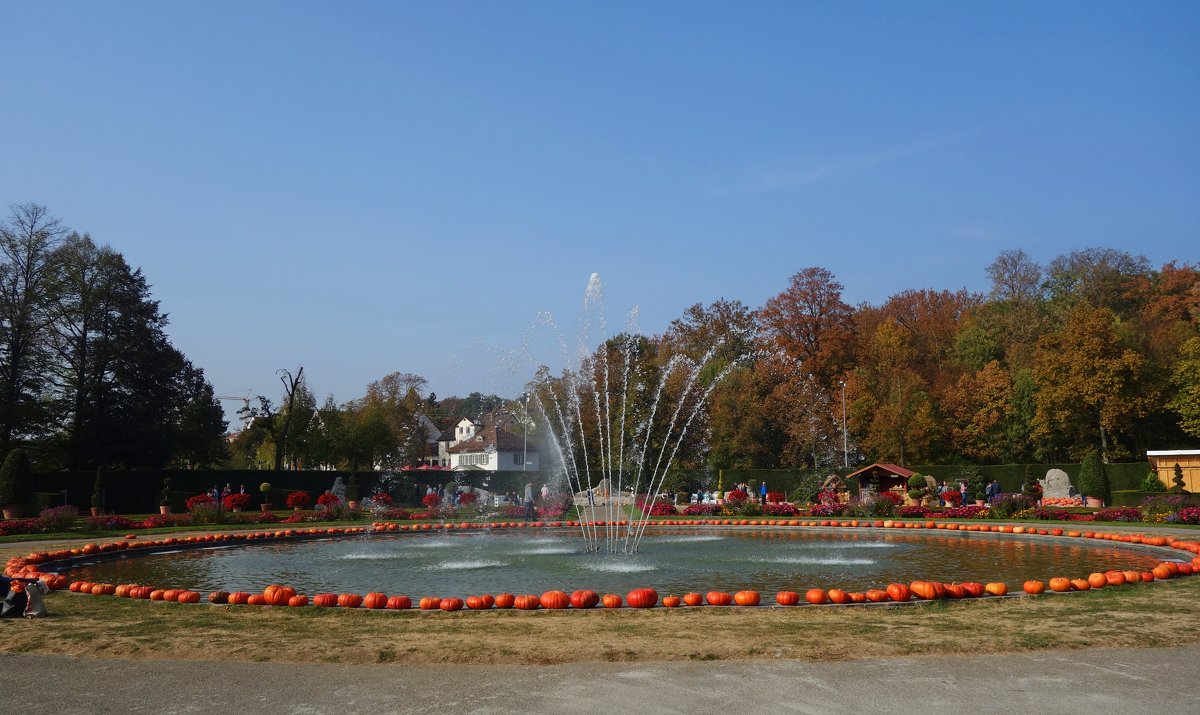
<point x="276" y="595"/>
<point x="926" y="590"/>
<point x="972" y="589"/>
<point x="527" y="602"/>
<point x="398" y="602"/>
<point x="671" y="601"/>
<point x="298" y="601"/>
<point x="876" y="595"/>
<point x="451" y="604"/>
<point x="954" y="590"/>
<point x="256" y="599"/>
<point x="1034" y="587"/>
<point x="584" y="598"/>
<point x="787" y="598"/>
<point x="858" y="597"/>
<point x="1060" y="584"/>
<point x="816" y="596"/>
<point x="996" y="588"/>
<point x="899" y="592"/>
<point x="172" y="594"/>
<point x="611" y="600"/>
<point x="324" y="600"/>
<point x="1114" y="578"/>
<point x="349" y="600"/>
<point x="555" y="600"/>
<point x="1161" y="572"/>
<point x="718" y="598"/>
<point x="189" y="597"/>
<point x="693" y="599"/>
<point x="237" y="598"/>
<point x="642" y="598"/>
<point x="375" y="599"/>
<point x="1080" y="584"/>
<point x="505" y="600"/>
<point x="747" y="598"/>
<point x="1097" y="580"/>
<point x="217" y="597"/>
<point x="429" y="603"/>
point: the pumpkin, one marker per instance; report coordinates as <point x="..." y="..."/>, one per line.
<point x="1097" y="580"/>
<point x="954" y="590"/>
<point x="474" y="603"/>
<point x="172" y="594"/>
<point x="256" y="599"/>
<point x="1034" y="588"/>
<point x="375" y="599"/>
<point x="973" y="589"/>
<point x="349" y="600"/>
<point x="642" y="598"/>
<point x="527" y="602"/>
<point x="429" y="603"/>
<point x="611" y="600"/>
<point x="1080" y="584"/>
<point x="584" y="598"/>
<point x="122" y="590"/>
<point x="237" y="598"/>
<point x="218" y="597"/>
<point x="324" y="600"/>
<point x="747" y="598"/>
<point x="276" y="595"/>
<point x="899" y="592"/>
<point x="693" y="599"/>
<point x="787" y="598"/>
<point x="555" y="600"/>
<point x="1161" y="572"/>
<point x="451" y="604"/>
<point x="1133" y="577"/>
<point x="504" y="600"/>
<point x="816" y="596"/>
<point x="876" y="595"/>
<point x="189" y="597"/>
<point x="671" y="601"/>
<point x="1114" y="578"/>
<point x="298" y="601"/>
<point x="1060" y="584"/>
<point x="398" y="602"/>
<point x="487" y="600"/>
<point x="838" y="596"/>
<point x="858" y="597"/>
<point x="718" y="598"/>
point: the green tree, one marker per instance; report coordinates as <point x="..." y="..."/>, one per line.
<point x="28" y="289"/>
<point x="1185" y="378"/>
<point x="16" y="476"/>
<point x="1093" y="481"/>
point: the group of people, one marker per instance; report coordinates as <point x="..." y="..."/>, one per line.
<point x="719" y="497"/>
<point x="992" y="492"/>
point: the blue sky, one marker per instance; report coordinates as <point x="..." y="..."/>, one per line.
<point x="362" y="188"/>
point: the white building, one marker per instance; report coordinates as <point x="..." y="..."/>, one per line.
<point x="487" y="447"/>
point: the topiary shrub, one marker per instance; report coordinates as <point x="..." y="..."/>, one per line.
<point x="1153" y="484"/>
<point x="1030" y="487"/>
<point x="1177" y="483"/>
<point x="1093" y="482"/>
<point x="16" y="476"/>
<point x="918" y="487"/>
<point x="165" y="493"/>
<point x="98" y="490"/>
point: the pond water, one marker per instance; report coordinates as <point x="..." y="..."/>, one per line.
<point x="671" y="561"/>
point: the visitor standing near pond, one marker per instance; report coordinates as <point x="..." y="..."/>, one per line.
<point x="762" y="493"/>
<point x="529" y="512"/>
<point x="545" y="492"/>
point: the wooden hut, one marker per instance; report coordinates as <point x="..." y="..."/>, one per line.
<point x="891" y="477"/>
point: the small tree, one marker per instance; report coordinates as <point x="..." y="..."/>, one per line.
<point x="166" y="493"/>
<point x="15" y="477"/>
<point x="1030" y="487"/>
<point x="1153" y="484"/>
<point x="918" y="487"/>
<point x="1093" y="482"/>
<point x="1177" y="483"/>
<point x="98" y="490"/>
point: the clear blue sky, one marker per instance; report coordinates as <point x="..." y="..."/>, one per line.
<point x="362" y="187"/>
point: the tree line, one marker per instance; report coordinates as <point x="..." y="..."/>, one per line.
<point x="88" y="377"/>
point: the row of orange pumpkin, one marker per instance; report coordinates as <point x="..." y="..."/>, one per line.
<point x="279" y="595"/>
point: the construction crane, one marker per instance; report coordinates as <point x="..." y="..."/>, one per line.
<point x="245" y="411"/>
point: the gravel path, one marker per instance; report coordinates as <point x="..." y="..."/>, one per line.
<point x="1119" y="680"/>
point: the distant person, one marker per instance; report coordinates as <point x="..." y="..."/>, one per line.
<point x="762" y="493"/>
<point x="545" y="492"/>
<point x="529" y="512"/>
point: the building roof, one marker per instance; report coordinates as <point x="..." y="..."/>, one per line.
<point x="1174" y="453"/>
<point x="492" y="438"/>
<point x="884" y="466"/>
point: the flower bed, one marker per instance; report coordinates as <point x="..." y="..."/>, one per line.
<point x="700" y="510"/>
<point x="1128" y="513"/>
<point x="780" y="509"/>
<point x="970" y="511"/>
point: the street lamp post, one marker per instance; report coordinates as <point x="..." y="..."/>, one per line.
<point x="845" y="440"/>
<point x="525" y="435"/>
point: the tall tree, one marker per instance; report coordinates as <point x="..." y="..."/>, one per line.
<point x="810" y="323"/>
<point x="1186" y="382"/>
<point x="893" y="416"/>
<point x="1015" y="277"/>
<point x="27" y="290"/>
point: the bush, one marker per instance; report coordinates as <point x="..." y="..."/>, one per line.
<point x="464" y="499"/>
<point x="780" y="509"/>
<point x="775" y="497"/>
<point x="829" y="509"/>
<point x="429" y="500"/>
<point x="162" y="520"/>
<point x="1049" y="514"/>
<point x="702" y="509"/>
<point x="1009" y="504"/>
<point x="111" y="522"/>
<point x="1121" y="514"/>
<point x="883" y="505"/>
<point x="13" y="527"/>
<point x="236" y="501"/>
<point x="1158" y="508"/>
<point x="914" y="511"/>
<point x="1093" y="482"/>
<point x="299" y="500"/>
<point x="194" y="502"/>
<point x="206" y="512"/>
<point x="329" y="501"/>
<point x="1187" y="515"/>
<point x="15" y="479"/>
<point x="662" y="509"/>
<point x="735" y="498"/>
<point x="1153" y="484"/>
<point x="749" y="508"/>
<point x="59" y="518"/>
<point x="969" y="511"/>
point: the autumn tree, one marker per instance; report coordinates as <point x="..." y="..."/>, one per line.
<point x="810" y="323"/>
<point x="893" y="416"/>
<point x="1091" y="386"/>
<point x="1186" y="382"/>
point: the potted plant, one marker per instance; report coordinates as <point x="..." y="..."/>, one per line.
<point x="352" y="492"/>
<point x="298" y="500"/>
<point x="164" y="504"/>
<point x="15" y="475"/>
<point x="265" y="488"/>
<point x="236" y="502"/>
<point x="1093" y="482"/>
<point x="918" y="488"/>
<point x="98" y="493"/>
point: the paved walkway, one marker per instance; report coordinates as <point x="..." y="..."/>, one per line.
<point x="1163" y="680"/>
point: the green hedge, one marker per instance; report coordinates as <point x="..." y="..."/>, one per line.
<point x="1132" y="497"/>
<point x="1122" y="476"/>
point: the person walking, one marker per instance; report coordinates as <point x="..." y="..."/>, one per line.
<point x="529" y="512"/>
<point x="762" y="493"/>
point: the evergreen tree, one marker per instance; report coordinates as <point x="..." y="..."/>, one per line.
<point x="16" y="476"/>
<point x="1177" y="483"/>
<point x="1093" y="482"/>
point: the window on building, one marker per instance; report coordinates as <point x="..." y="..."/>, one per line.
<point x="518" y="459"/>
